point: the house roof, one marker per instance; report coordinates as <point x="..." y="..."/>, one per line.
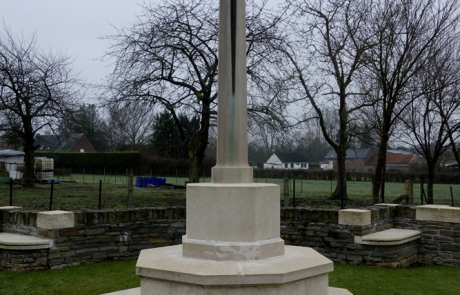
<point x="57" y="143"/>
<point x="10" y="153"/>
<point x="399" y="158"/>
<point x="291" y="157"/>
<point x="351" y="153"/>
<point x="392" y="159"/>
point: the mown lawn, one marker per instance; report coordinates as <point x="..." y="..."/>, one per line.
<point x="118" y="275"/>
<point x="83" y="193"/>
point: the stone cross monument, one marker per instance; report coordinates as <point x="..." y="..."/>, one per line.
<point x="232" y="244"/>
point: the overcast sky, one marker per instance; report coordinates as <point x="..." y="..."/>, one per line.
<point x="74" y="27"/>
<point x="71" y="26"/>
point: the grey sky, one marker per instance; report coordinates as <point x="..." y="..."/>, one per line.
<point x="71" y="26"/>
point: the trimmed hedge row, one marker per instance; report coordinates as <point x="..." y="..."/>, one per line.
<point x="118" y="162"/>
<point x="94" y="160"/>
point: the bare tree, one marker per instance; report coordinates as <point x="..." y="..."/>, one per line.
<point x="430" y="117"/>
<point x="325" y="55"/>
<point x="407" y="34"/>
<point x="131" y="123"/>
<point x="36" y="89"/>
<point x="169" y="57"/>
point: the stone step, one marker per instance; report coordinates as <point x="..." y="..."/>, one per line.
<point x="137" y="291"/>
<point x="23" y="242"/>
<point x="392" y="236"/>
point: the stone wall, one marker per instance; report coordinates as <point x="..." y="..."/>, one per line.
<point x="97" y="236"/>
<point x="122" y="234"/>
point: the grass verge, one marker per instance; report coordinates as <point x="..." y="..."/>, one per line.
<point x="113" y="276"/>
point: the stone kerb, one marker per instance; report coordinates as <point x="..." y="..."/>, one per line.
<point x="441" y="213"/>
<point x="356" y="217"/>
<point x="55" y="219"/>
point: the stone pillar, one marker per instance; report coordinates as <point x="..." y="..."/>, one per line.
<point x="232" y="142"/>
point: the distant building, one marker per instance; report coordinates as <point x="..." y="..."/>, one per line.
<point x="286" y="161"/>
<point x="395" y="160"/>
<point x="365" y="160"/>
<point x="11" y="160"/>
<point x="64" y="143"/>
<point x="355" y="159"/>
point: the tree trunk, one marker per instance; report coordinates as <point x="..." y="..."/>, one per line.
<point x="379" y="169"/>
<point x="29" y="155"/>
<point x="430" y="182"/>
<point x="341" y="188"/>
<point x="198" y="155"/>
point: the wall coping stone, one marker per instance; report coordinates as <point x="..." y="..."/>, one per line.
<point x="23" y="242"/>
<point x="56" y="219"/>
<point x="442" y="213"/>
<point x="10" y="208"/>
<point x="389" y="237"/>
<point x="357" y="217"/>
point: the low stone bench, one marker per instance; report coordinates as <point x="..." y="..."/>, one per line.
<point x="389" y="237"/>
<point x="394" y="248"/>
<point x="23" y="242"/>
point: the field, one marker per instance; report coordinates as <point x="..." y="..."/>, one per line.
<point x="82" y="192"/>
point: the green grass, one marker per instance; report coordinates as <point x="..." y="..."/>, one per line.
<point x="119" y="275"/>
<point x="429" y="280"/>
<point x="82" y="192"/>
<point x="78" y="280"/>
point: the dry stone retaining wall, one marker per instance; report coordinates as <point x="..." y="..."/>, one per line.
<point x="122" y="234"/>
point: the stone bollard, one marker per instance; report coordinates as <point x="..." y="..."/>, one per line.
<point x="286" y="192"/>
<point x="409" y="191"/>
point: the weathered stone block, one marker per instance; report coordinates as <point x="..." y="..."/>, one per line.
<point x="355" y="217"/>
<point x="55" y="219"/>
<point x="441" y="213"/>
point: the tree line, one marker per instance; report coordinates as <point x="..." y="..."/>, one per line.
<point x="321" y="74"/>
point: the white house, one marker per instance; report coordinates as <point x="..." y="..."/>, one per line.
<point x="11" y="159"/>
<point x="286" y="161"/>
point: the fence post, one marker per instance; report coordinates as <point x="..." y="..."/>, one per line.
<point x="342" y="194"/>
<point x="409" y="188"/>
<point x="421" y="190"/>
<point x="293" y="191"/>
<point x="100" y="193"/>
<point x="130" y="190"/>
<point x="286" y="192"/>
<point x="383" y="191"/>
<point x="11" y="191"/>
<point x="51" y="194"/>
<point x="451" y="196"/>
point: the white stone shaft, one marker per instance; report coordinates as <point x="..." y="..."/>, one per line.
<point x="232" y="143"/>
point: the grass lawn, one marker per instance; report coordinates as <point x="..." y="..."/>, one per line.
<point x="118" y="275"/>
<point x="83" y="193"/>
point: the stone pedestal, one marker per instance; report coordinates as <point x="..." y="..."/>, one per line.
<point x="165" y="271"/>
<point x="233" y="221"/>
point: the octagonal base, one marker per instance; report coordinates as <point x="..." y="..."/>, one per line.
<point x="300" y="271"/>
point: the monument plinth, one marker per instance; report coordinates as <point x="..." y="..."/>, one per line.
<point x="232" y="244"/>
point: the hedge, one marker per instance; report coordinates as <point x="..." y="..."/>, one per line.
<point x="111" y="160"/>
